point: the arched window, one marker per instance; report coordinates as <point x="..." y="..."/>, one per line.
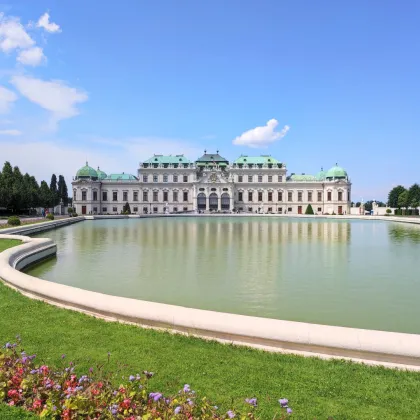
<point x="225" y="201"/>
<point x="201" y="201"/>
<point x="213" y="201"/>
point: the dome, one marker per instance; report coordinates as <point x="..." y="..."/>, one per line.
<point x="336" y="172"/>
<point x="101" y="174"/>
<point x="320" y="176"/>
<point x="86" y="172"/>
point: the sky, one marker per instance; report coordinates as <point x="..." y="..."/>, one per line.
<point x="310" y="83"/>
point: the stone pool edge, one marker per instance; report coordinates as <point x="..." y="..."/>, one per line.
<point x="388" y="349"/>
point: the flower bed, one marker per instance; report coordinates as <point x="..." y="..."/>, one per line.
<point x="61" y="394"/>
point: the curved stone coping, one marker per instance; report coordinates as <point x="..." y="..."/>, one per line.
<point x="41" y="227"/>
<point x="379" y="347"/>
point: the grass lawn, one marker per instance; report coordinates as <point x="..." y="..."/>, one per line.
<point x="23" y="223"/>
<point x="8" y="243"/>
<point x="226" y="374"/>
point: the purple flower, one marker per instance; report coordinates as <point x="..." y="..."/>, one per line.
<point x="8" y="346"/>
<point x="34" y="371"/>
<point x="63" y="356"/>
<point x="24" y="359"/>
<point x="189" y="401"/>
<point x="187" y="388"/>
<point x="252" y="401"/>
<point x="58" y="387"/>
<point x="283" y="402"/>
<point x="114" y="409"/>
<point x="231" y="414"/>
<point x="155" y="395"/>
<point x="90" y="370"/>
<point x="131" y="378"/>
<point x="54" y="408"/>
<point x="177" y="409"/>
<point x="289" y="410"/>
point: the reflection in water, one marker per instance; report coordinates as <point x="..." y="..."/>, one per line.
<point x="404" y="233"/>
<point x="338" y="272"/>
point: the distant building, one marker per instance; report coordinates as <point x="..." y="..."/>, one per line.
<point x="171" y="184"/>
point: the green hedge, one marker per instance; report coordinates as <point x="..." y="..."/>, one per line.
<point x="50" y="216"/>
<point x="13" y="221"/>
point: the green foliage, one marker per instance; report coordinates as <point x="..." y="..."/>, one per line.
<point x="309" y="210"/>
<point x="50" y="216"/>
<point x="388" y="211"/>
<point x="55" y="197"/>
<point x="403" y="199"/>
<point x="62" y="190"/>
<point x="126" y="209"/>
<point x="8" y="243"/>
<point x="70" y="211"/>
<point x="394" y="195"/>
<point x="13" y="221"/>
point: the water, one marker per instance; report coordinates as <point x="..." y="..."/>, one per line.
<point x="358" y="273"/>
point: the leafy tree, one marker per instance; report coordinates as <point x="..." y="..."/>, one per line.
<point x="414" y="195"/>
<point x="309" y="210"/>
<point x="126" y="208"/>
<point x="403" y="199"/>
<point x="55" y="198"/>
<point x="358" y="204"/>
<point x="62" y="190"/>
<point x="6" y="187"/>
<point x="394" y="195"/>
<point x="45" y="198"/>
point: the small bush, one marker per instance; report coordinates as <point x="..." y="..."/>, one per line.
<point x="13" y="221"/>
<point x="333" y="214"/>
<point x="70" y="211"/>
<point x="50" y="216"/>
<point x="388" y="211"/>
<point x="75" y="214"/>
<point x="309" y="210"/>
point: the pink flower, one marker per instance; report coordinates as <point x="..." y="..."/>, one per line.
<point x="37" y="403"/>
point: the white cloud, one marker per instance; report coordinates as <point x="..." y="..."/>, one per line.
<point x="7" y="97"/>
<point x="44" y="22"/>
<point x="13" y="35"/>
<point x="261" y="136"/>
<point x="11" y="132"/>
<point x="54" y="96"/>
<point x="32" y="57"/>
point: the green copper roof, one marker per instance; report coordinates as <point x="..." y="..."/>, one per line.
<point x="256" y="160"/>
<point x="336" y="172"/>
<point x="302" y="178"/>
<point x="320" y="176"/>
<point x="101" y="174"/>
<point x="121" y="177"/>
<point x="86" y="172"/>
<point x="210" y="158"/>
<point x="171" y="159"/>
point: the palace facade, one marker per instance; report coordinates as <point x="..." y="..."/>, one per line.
<point x="173" y="184"/>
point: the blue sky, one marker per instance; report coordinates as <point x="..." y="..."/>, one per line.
<point x="114" y="83"/>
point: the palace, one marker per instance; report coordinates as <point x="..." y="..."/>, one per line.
<point x="174" y="184"/>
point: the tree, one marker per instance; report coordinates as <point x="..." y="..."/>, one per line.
<point x="394" y="195"/>
<point x="126" y="208"/>
<point x="45" y="197"/>
<point x="403" y="199"/>
<point x="358" y="204"/>
<point x="55" y="198"/>
<point x="414" y="195"/>
<point x="62" y="190"/>
<point x="6" y="186"/>
<point x="309" y="210"/>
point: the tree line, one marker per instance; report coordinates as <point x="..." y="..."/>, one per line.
<point x="22" y="193"/>
<point x="401" y="197"/>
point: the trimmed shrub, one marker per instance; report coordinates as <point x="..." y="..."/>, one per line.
<point x="50" y="216"/>
<point x="388" y="211"/>
<point x="309" y="210"/>
<point x="13" y="221"/>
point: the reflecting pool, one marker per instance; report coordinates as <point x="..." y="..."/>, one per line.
<point x="354" y="273"/>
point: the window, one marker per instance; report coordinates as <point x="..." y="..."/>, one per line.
<point x="348" y="195"/>
<point x="84" y="194"/>
<point x="175" y="209"/>
<point x="155" y="178"/>
<point x="114" y="209"/>
<point x="340" y="195"/>
<point x="259" y="178"/>
<point x="145" y="178"/>
<point x="104" y="196"/>
<point x="250" y="196"/>
<point x="185" y="195"/>
<point x="175" y="195"/>
<point x="290" y="196"/>
<point x="175" y="178"/>
<point x="240" y="178"/>
<point x="104" y="209"/>
<point x="270" y="196"/>
<point x="249" y="178"/>
<point x="95" y="209"/>
<point x="329" y="196"/>
<point x="155" y="195"/>
<point x="185" y="209"/>
<point x="95" y="195"/>
<point x="74" y="195"/>
<point x="280" y="178"/>
<point x="280" y="210"/>
<point x="270" y="178"/>
<point x="135" y="209"/>
<point x="165" y="195"/>
<point x="155" y="209"/>
<point x="280" y="196"/>
<point x="309" y="195"/>
<point x="185" y="178"/>
<point x="145" y="210"/>
<point x="260" y="196"/>
<point x="270" y="210"/>
<point x="299" y="195"/>
<point x="319" y="209"/>
<point x="165" y="178"/>
<point x="249" y="209"/>
<point x="319" y="196"/>
<point x="125" y="196"/>
<point x="145" y="195"/>
<point x="114" y="196"/>
<point x="289" y="210"/>
<point x="240" y="196"/>
<point x="135" y="196"/>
